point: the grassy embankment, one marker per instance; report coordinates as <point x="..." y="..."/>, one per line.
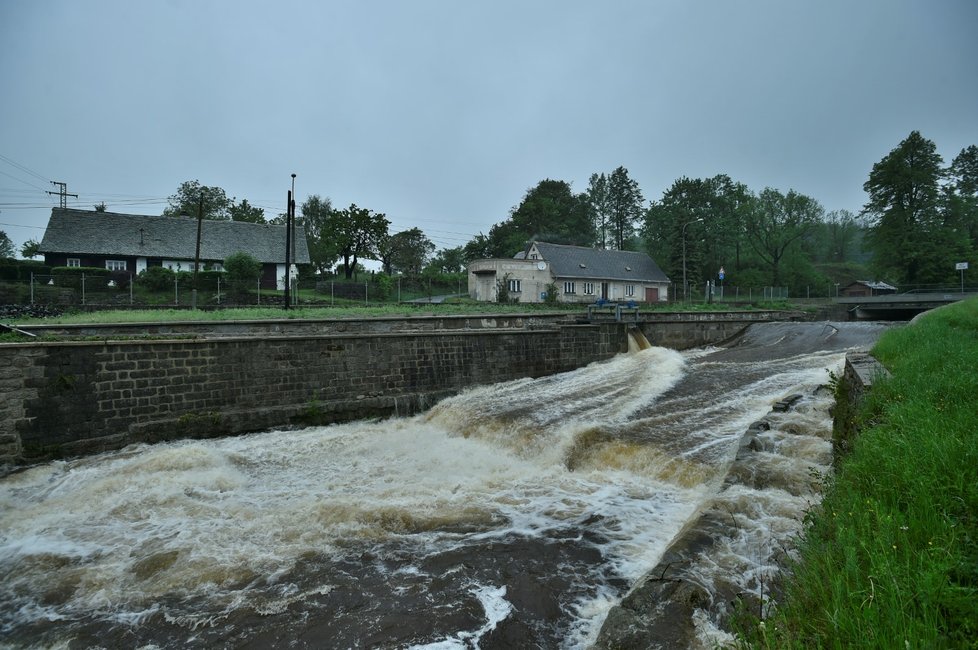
<point x="890" y="559"/>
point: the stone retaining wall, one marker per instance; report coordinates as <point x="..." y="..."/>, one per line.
<point x="76" y="397"/>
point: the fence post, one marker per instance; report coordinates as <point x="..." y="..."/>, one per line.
<point x="83" y="288"/>
<point x="32" y="287"/>
<point x="366" y="288"/>
<point x="176" y="290"/>
<point x="132" y="281"/>
<point x="219" y="289"/>
<point x="331" y="283"/>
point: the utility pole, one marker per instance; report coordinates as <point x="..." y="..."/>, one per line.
<point x="289" y="219"/>
<point x="63" y="193"/>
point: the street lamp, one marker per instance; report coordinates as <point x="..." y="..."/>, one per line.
<point x="685" y="285"/>
<point x="289" y="218"/>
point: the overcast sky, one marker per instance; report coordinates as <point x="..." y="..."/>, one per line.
<point x="442" y="113"/>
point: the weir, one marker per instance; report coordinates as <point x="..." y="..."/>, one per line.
<point x="513" y="514"/>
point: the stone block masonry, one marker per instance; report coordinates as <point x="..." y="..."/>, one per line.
<point x="78" y="397"/>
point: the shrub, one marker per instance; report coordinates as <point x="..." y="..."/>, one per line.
<point x="156" y="278"/>
<point x="71" y="276"/>
<point x="243" y="272"/>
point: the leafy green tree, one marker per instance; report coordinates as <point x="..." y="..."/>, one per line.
<point x="707" y="215"/>
<point x="407" y="251"/>
<point x="776" y="223"/>
<point x="675" y="224"/>
<point x="597" y="196"/>
<point x="187" y="201"/>
<point x="316" y="215"/>
<point x="6" y="245"/>
<point x="962" y="192"/>
<point x="243" y="272"/>
<point x="625" y="202"/>
<point x="551" y="212"/>
<point x="478" y="248"/>
<point x="355" y="233"/>
<point x="246" y="212"/>
<point x="31" y="248"/>
<point x="449" y="260"/>
<point x="904" y="202"/>
<point x="841" y="232"/>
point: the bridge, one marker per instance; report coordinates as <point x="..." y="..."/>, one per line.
<point x="899" y="306"/>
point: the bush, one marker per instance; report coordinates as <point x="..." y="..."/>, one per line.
<point x="71" y="276"/>
<point x="243" y="272"/>
<point x="156" y="278"/>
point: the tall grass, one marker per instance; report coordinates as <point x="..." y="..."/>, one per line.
<point x="890" y="559"/>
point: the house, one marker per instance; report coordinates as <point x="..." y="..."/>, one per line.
<point x="862" y="288"/>
<point x="579" y="274"/>
<point x="131" y="242"/>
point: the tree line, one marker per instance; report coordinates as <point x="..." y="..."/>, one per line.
<point x="920" y="220"/>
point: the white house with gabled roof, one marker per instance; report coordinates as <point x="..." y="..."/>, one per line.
<point x="580" y="275"/>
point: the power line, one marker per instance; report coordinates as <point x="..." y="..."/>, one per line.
<point x="22" y="168"/>
<point x="21" y="180"/>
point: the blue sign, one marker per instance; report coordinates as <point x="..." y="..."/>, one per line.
<point x="721" y="273"/>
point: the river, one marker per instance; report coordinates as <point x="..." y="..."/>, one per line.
<point x="512" y="515"/>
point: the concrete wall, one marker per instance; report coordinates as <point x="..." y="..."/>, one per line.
<point x="77" y="397"/>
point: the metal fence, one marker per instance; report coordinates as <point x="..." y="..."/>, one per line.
<point x="125" y="290"/>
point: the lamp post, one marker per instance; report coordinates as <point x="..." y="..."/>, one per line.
<point x="685" y="285"/>
<point x="289" y="215"/>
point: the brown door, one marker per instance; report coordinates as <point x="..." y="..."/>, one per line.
<point x="651" y="294"/>
<point x="604" y="290"/>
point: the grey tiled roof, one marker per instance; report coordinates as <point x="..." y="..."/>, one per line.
<point x="567" y="261"/>
<point x="110" y="233"/>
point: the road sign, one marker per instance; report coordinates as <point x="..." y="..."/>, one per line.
<point x="961" y="266"/>
<point x="721" y="273"/>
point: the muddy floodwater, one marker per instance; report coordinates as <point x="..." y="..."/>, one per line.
<point x="511" y="516"/>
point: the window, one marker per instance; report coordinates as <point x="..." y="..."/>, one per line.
<point x="629" y="290"/>
<point x="515" y="286"/>
<point x="115" y="265"/>
<point x="589" y="288"/>
<point x="569" y="287"/>
<point x="73" y="261"/>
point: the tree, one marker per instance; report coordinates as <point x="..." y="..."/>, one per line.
<point x="409" y="251"/>
<point x="31" y="248"/>
<point x="551" y="212"/>
<point x="904" y="200"/>
<point x="355" y="233"/>
<point x="246" y="212"/>
<point x="6" y="245"/>
<point x="243" y="272"/>
<point x="186" y="201"/>
<point x="625" y="204"/>
<point x="316" y="214"/>
<point x="962" y="192"/>
<point x="449" y="260"/>
<point x="705" y="215"/>
<point x="597" y="196"/>
<point x="842" y="231"/>
<point x="776" y="222"/>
